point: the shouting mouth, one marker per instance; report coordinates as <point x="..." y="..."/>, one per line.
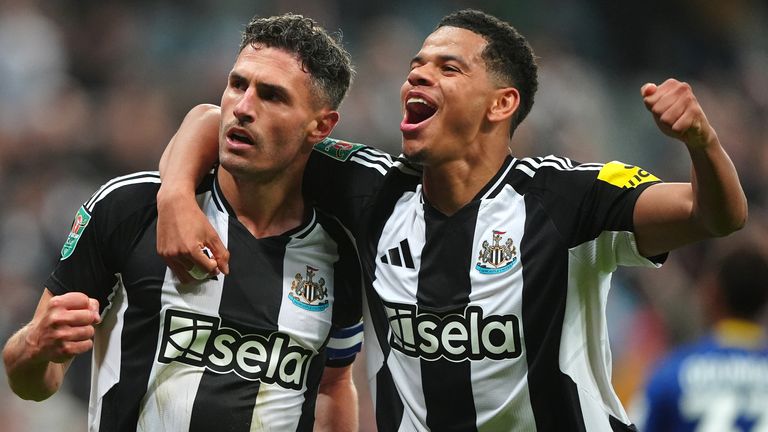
<point x="418" y="110"/>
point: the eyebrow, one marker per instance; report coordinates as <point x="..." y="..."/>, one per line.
<point x="443" y="58"/>
<point x="275" y="88"/>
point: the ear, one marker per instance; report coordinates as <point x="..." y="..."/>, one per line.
<point x="322" y="126"/>
<point x="505" y="103"/>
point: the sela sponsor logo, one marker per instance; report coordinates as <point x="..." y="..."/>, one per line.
<point x="78" y="226"/>
<point x="197" y="340"/>
<point x="453" y="336"/>
<point x="496" y="257"/>
<point x="308" y="294"/>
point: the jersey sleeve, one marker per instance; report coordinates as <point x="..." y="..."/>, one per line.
<point x="346" y="335"/>
<point x="594" y="203"/>
<point x="100" y="237"/>
<point x="342" y="177"/>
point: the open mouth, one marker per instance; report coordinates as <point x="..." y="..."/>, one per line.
<point x="239" y="137"/>
<point x="418" y="109"/>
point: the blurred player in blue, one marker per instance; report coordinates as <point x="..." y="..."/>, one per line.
<point x="720" y="383"/>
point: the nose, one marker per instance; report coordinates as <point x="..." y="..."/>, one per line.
<point x="245" y="107"/>
<point x="420" y="76"/>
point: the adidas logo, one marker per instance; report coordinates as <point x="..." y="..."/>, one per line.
<point x="399" y="256"/>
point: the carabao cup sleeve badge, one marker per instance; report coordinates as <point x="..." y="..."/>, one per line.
<point x="78" y="226"/>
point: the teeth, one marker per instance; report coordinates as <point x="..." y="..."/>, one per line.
<point x="418" y="100"/>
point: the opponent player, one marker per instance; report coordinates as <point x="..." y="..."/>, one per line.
<point x="242" y="352"/>
<point x="487" y="275"/>
<point x="719" y="383"/>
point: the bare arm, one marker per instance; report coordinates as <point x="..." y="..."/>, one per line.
<point x="37" y="356"/>
<point x="182" y="229"/>
<point x="713" y="204"/>
<point x="336" y="409"/>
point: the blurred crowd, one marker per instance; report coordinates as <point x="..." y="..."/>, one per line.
<point x="94" y="89"/>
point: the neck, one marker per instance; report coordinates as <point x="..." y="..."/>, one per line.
<point x="450" y="185"/>
<point x="266" y="208"/>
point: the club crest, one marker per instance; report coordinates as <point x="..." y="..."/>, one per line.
<point x="496" y="257"/>
<point x="308" y="294"/>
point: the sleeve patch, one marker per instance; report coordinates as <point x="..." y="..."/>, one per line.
<point x="78" y="226"/>
<point x="337" y="149"/>
<point x="625" y="176"/>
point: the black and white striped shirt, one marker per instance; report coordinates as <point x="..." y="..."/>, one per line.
<point x="233" y="353"/>
<point x="493" y="318"/>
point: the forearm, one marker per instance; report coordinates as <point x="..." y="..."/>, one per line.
<point x="193" y="150"/>
<point x="336" y="409"/>
<point x="720" y="205"/>
<point x="30" y="377"/>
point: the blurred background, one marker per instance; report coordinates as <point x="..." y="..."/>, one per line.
<point x="94" y="89"/>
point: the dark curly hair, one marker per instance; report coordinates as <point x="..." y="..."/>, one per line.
<point x="320" y="53"/>
<point x="507" y="54"/>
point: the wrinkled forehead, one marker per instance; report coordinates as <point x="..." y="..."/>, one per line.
<point x="454" y="41"/>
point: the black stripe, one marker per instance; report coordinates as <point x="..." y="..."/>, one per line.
<point x="143" y="274"/>
<point x="250" y="304"/>
<point x="618" y="426"/>
<point x="394" y="257"/>
<point x="407" y="254"/>
<point x="347" y="278"/>
<point x="545" y="272"/>
<point x="444" y="287"/>
<point x="314" y="375"/>
<point x="389" y="407"/>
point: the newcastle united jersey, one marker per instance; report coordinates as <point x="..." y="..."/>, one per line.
<point x="493" y="318"/>
<point x="241" y="352"/>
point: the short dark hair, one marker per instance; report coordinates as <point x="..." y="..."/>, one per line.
<point x="743" y="282"/>
<point x="507" y="54"/>
<point x="321" y="54"/>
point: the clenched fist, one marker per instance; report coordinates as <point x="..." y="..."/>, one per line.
<point x="64" y="329"/>
<point x="678" y="114"/>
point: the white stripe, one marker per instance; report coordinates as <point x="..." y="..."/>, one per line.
<point x="217" y="198"/>
<point x="500" y="180"/>
<point x="405" y="169"/>
<point x="349" y="342"/>
<point x="107" y="353"/>
<point x="173" y="387"/>
<point x="525" y="169"/>
<point x="575" y="168"/>
<point x="103" y="194"/>
<point x="375" y="156"/>
<point x="362" y="161"/>
<point x="309" y="226"/>
<point x="109" y="185"/>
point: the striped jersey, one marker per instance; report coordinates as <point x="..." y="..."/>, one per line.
<point x="719" y="383"/>
<point x="493" y="318"/>
<point x="242" y="352"/>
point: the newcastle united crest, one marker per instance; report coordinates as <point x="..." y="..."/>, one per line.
<point x="496" y="257"/>
<point x="308" y="294"/>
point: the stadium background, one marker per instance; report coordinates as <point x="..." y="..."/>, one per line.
<point x="94" y="89"/>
